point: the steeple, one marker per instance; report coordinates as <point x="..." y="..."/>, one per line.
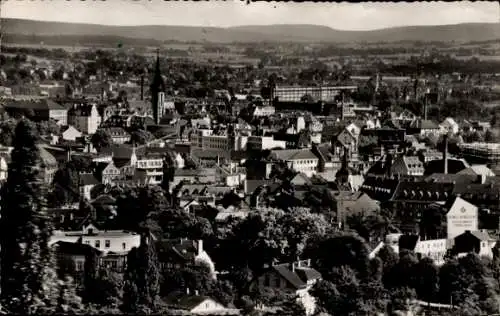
<point x="342" y="176"/>
<point x="157" y="87"/>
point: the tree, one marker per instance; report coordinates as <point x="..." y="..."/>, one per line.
<point x="101" y="139"/>
<point x="136" y="205"/>
<point x="344" y="294"/>
<point x="69" y="301"/>
<point x="427" y="280"/>
<point x="7" y="129"/>
<point x="142" y="287"/>
<point x="27" y="275"/>
<point x="141" y="137"/>
<point x="351" y="251"/>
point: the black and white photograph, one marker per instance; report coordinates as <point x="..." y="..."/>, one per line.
<point x="249" y="158"/>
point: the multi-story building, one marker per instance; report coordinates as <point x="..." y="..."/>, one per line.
<point x="208" y="139"/>
<point x="85" y="118"/>
<point x="149" y="169"/>
<point x="319" y="93"/>
<point x="113" y="244"/>
<point x="481" y="152"/>
<point x="264" y="142"/>
<point x="118" y="135"/>
<point x="300" y="160"/>
<point x="42" y="109"/>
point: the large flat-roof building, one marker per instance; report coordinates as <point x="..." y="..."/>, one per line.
<point x="481" y="152"/>
<point x="317" y="93"/>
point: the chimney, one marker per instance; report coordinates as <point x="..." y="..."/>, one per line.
<point x="425" y="107"/>
<point x="142" y="87"/>
<point x="445" y="154"/>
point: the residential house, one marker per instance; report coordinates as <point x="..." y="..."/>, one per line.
<point x="71" y="257"/>
<point x="300" y="160"/>
<point x="86" y="184"/>
<point x="108" y="173"/>
<point x="118" y="135"/>
<point x="177" y="253"/>
<point x="114" y="244"/>
<point x="475" y="241"/>
<point x="345" y="140"/>
<point x="194" y="304"/>
<point x="70" y="133"/>
<point x="424" y="128"/>
<point x="297" y="277"/>
<point x="85" y="117"/>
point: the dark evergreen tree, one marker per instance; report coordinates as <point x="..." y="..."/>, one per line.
<point x="28" y="280"/>
<point x="142" y="284"/>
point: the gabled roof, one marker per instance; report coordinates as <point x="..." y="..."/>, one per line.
<point x="47" y="158"/>
<point x="293" y="154"/>
<point x="422" y="191"/>
<point x="478" y="170"/>
<point x="39" y="104"/>
<point x="424" y="124"/>
<point x="88" y="179"/>
<point x="71" y="248"/>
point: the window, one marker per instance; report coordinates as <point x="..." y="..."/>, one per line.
<point x="124" y="246"/>
<point x="87" y="242"/>
<point x="79" y="265"/>
<point x="98" y="244"/>
<point x="107" y="243"/>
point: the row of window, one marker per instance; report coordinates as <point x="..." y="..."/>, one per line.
<point x="107" y="244"/>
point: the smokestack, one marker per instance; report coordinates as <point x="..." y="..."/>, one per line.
<point x="425" y="108"/>
<point x="342" y="107"/>
<point x="142" y="87"/>
<point x="445" y="154"/>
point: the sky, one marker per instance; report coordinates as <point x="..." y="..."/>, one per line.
<point x="343" y="16"/>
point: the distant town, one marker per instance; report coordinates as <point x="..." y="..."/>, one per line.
<point x="239" y="179"/>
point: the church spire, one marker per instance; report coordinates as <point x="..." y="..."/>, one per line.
<point x="157" y="88"/>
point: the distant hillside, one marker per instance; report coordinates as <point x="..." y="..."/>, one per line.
<point x="24" y="29"/>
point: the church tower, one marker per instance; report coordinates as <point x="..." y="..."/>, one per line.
<point x="157" y="91"/>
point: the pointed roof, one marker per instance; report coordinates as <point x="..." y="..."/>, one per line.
<point x="157" y="84"/>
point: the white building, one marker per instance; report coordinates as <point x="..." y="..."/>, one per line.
<point x="462" y="217"/>
<point x="300" y="160"/>
<point x="264" y="142"/>
<point x="261" y="111"/>
<point x="85" y="118"/>
<point x="116" y="241"/>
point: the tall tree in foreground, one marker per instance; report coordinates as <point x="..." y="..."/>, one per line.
<point x="141" y="284"/>
<point x="28" y="281"/>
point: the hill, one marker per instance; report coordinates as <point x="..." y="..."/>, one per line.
<point x="20" y="28"/>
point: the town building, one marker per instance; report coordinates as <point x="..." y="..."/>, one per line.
<point x="85" y="117"/>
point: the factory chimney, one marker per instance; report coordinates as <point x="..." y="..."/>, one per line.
<point x="445" y="154"/>
<point x="142" y="87"/>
